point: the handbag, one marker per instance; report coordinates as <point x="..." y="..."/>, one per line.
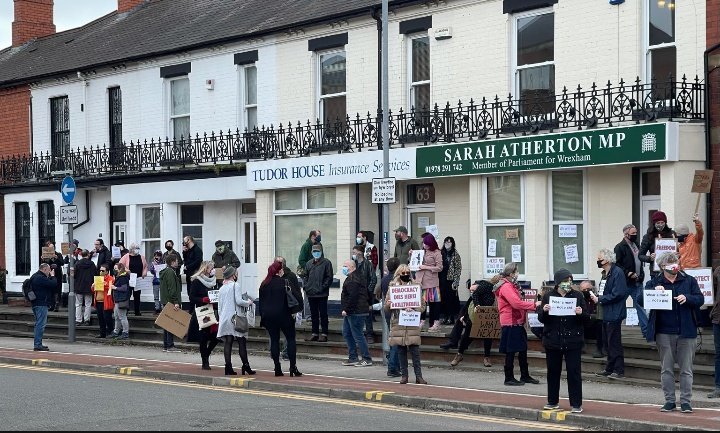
<point x="239" y="321"/>
<point x="205" y="316"/>
<point x="292" y="301"/>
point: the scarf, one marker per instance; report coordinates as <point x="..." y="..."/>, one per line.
<point x="635" y="252"/>
<point x="206" y="280"/>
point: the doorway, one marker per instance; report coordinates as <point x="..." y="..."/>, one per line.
<point x="248" y="255"/>
<point x="649" y="202"/>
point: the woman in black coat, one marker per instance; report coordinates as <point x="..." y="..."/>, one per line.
<point x="202" y="281"/>
<point x="276" y="317"/>
<point x="563" y="337"/>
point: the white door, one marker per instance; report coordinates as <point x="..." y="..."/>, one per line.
<point x="248" y="255"/>
<point x="648" y="206"/>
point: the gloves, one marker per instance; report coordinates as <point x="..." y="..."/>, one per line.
<point x="206" y="300"/>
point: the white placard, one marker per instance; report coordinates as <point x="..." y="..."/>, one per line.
<point x="423" y="221"/>
<point x="533" y="321"/>
<point x="69" y="214"/>
<point x="662" y="247"/>
<point x="492" y="247"/>
<point x="213" y="295"/>
<point x="409" y="296"/>
<point x="95" y="258"/>
<point x="560" y="306"/>
<point x="601" y="287"/>
<point x="657" y="299"/>
<point x="494" y="265"/>
<point x="416" y="259"/>
<point x="133" y="279"/>
<point x="571" y="253"/>
<point x="704" y="280"/>
<point x="143" y="284"/>
<point x="567" y="231"/>
<point x="115" y="252"/>
<point x="632" y="317"/>
<point x="383" y="190"/>
<point x="516" y="253"/>
<point x="159" y="267"/>
<point x="409" y="318"/>
<point x="433" y="230"/>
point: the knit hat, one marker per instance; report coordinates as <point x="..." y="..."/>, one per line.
<point x="219" y="243"/>
<point x="561" y="274"/>
<point x="682" y="229"/>
<point x="659" y="216"/>
<point x="229" y="271"/>
<point x="317" y="247"/>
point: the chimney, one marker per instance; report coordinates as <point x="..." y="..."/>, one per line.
<point x="128" y="5"/>
<point x="33" y="19"/>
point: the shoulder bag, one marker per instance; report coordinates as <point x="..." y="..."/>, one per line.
<point x="292" y="301"/>
<point x="240" y="321"/>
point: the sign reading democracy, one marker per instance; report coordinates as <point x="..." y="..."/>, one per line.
<point x="405" y="296"/>
<point x="591" y="147"/>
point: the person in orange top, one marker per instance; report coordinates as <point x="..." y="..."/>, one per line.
<point x="103" y="303"/>
<point x="690" y="244"/>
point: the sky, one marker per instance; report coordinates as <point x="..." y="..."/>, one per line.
<point x="67" y="14"/>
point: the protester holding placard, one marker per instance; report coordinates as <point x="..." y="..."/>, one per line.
<point x="659" y="229"/>
<point x="136" y="264"/>
<point x="675" y="331"/>
<point x="406" y="338"/>
<point x="202" y="281"/>
<point x="513" y="337"/>
<point x="690" y="244"/>
<point x="563" y="337"/>
<point x="154" y="267"/>
<point x="56" y="262"/>
<point x="612" y="300"/>
<point x="102" y="301"/>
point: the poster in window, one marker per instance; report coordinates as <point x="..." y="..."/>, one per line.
<point x="512" y="233"/>
<point x="567" y="231"/>
<point x="516" y="253"/>
<point x="492" y="247"/>
<point x="433" y="230"/>
<point x="571" y="253"/>
<point x="494" y="265"/>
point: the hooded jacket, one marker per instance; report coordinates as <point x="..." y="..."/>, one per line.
<point x="85" y="271"/>
<point x="354" y="298"/>
<point x="511" y="306"/>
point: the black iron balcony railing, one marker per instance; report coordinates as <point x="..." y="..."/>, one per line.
<point x="606" y="105"/>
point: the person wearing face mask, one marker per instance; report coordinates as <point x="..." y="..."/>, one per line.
<point x="363" y="238"/>
<point x="513" y="336"/>
<point x="202" y="281"/>
<point x="658" y="229"/>
<point x="367" y="271"/>
<point x="675" y="330"/>
<point x="563" y="337"/>
<point x="170" y="249"/>
<point x="613" y="292"/>
<point x="450" y="281"/>
<point x="224" y="256"/>
<point x="355" y="308"/>
<point x="136" y="264"/>
<point x="306" y="255"/>
<point x="316" y="284"/>
<point x="627" y="256"/>
<point x="690" y="244"/>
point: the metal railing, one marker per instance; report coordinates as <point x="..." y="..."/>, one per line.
<point x="598" y="105"/>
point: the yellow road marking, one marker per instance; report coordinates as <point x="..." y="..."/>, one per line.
<point x="560" y="416"/>
<point x="128" y="370"/>
<point x="303" y="397"/>
<point x="39" y="361"/>
<point x="240" y="382"/>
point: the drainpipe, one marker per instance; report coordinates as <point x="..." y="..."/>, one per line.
<point x="708" y="153"/>
<point x="87" y="211"/>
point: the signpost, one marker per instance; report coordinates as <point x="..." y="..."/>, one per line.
<point x="69" y="216"/>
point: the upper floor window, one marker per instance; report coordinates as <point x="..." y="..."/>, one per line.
<point x="535" y="61"/>
<point x="249" y="80"/>
<point x="332" y="79"/>
<point x="115" y="117"/>
<point x="419" y="71"/>
<point x="661" y="60"/>
<point x="59" y="126"/>
<point x="180" y="108"/>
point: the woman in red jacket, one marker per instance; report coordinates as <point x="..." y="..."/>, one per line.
<point x="513" y="337"/>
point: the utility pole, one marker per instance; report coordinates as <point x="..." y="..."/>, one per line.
<point x="385" y="131"/>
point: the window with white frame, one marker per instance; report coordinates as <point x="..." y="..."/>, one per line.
<point x="180" y="108"/>
<point x="661" y="59"/>
<point x="504" y="218"/>
<point x="192" y="218"/>
<point x="534" y="37"/>
<point x="419" y="71"/>
<point x="150" y="230"/>
<point x="332" y="80"/>
<point x="249" y="97"/>
<point x="297" y="212"/>
<point x="568" y="216"/>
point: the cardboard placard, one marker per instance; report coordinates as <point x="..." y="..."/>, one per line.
<point x="218" y="273"/>
<point x="486" y="323"/>
<point x="175" y="322"/>
<point x="402" y="297"/>
<point x="65" y="248"/>
<point x="48" y="252"/>
<point x="702" y="181"/>
<point x="512" y="233"/>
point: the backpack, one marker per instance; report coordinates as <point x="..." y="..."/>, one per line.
<point x="27" y="290"/>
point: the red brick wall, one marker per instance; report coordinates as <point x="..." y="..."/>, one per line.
<point x="33" y="19"/>
<point x="713" y="93"/>
<point x="126" y="5"/>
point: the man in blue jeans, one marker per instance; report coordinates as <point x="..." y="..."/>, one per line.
<point x="355" y="303"/>
<point x="42" y="283"/>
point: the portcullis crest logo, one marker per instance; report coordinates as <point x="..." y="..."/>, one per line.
<point x="649" y="143"/>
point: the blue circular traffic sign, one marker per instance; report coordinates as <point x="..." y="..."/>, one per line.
<point x="67" y="189"/>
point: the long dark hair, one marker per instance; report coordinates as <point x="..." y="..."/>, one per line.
<point x="273" y="269"/>
<point x="430" y="241"/>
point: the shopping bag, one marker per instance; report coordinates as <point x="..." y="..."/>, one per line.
<point x="205" y="316"/>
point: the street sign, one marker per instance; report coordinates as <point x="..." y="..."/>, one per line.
<point x="383" y="190"/>
<point x="68" y="214"/>
<point x="67" y="189"/>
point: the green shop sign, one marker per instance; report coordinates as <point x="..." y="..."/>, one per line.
<point x="634" y="144"/>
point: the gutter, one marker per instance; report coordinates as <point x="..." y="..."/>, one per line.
<point x="708" y="153"/>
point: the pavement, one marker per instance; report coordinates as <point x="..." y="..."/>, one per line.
<point x="608" y="405"/>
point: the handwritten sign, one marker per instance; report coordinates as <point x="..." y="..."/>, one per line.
<point x="494" y="265"/>
<point x="516" y="253"/>
<point x="702" y="181"/>
<point x="99" y="283"/>
<point x="492" y="247"/>
<point x="571" y="253"/>
<point x="48" y="252"/>
<point x="485" y="323"/>
<point x="662" y="247"/>
<point x="115" y="252"/>
<point x="567" y="230"/>
<point x="433" y="230"/>
<point x="632" y="317"/>
<point x="533" y="321"/>
<point x="657" y="299"/>
<point x="560" y="306"/>
<point x="143" y="284"/>
<point x="214" y="296"/>
<point x="65" y="248"/>
<point x="405" y="296"/>
<point x="133" y="279"/>
<point x="416" y="259"/>
<point x="601" y="287"/>
<point x="409" y="318"/>
<point x="704" y="279"/>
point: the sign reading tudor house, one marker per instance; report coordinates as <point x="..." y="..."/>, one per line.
<point x="626" y="145"/>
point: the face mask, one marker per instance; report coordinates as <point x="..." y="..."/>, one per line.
<point x="565" y="286"/>
<point x="212" y="272"/>
<point x="600" y="263"/>
<point x="632" y="238"/>
<point x="671" y="269"/>
<point x="448" y="245"/>
<point x="345" y="270"/>
<point x="136" y="250"/>
<point x="168" y="247"/>
<point x="354" y="257"/>
<point x="220" y="249"/>
<point x="318" y="239"/>
<point x="682" y="238"/>
<point x="405" y="278"/>
<point x="316" y="254"/>
<point x="358" y="241"/>
<point x="659" y="226"/>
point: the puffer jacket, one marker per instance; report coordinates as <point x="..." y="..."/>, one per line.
<point x="511" y="307"/>
<point x="563" y="332"/>
<point x="403" y="335"/>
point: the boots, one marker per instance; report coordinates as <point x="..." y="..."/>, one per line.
<point x="229" y="370"/>
<point x="525" y="376"/>
<point x="403" y="380"/>
<point x="205" y="363"/>
<point x="510" y="378"/>
<point x="458" y="359"/>
<point x="278" y="370"/>
<point x="246" y="369"/>
<point x="294" y="372"/>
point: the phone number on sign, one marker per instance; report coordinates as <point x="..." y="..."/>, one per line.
<point x="441" y="168"/>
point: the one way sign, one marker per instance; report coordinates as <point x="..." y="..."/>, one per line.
<point x="67" y="189"/>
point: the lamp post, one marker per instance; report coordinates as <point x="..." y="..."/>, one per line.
<point x="385" y="132"/>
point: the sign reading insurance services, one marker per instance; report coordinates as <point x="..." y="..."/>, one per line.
<point x="591" y="147"/>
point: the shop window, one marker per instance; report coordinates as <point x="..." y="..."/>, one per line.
<point x="504" y="222"/>
<point x="150" y="231"/>
<point x="568" y="215"/>
<point x="23" y="220"/>
<point x="191" y="222"/>
<point x="535" y="61"/>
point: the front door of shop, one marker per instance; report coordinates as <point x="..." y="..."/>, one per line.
<point x="248" y="255"/>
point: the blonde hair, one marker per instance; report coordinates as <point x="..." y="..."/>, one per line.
<point x="204" y="265"/>
<point x="400" y="269"/>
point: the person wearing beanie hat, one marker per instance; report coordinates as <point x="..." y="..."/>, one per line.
<point x="563" y="337"/>
<point x="658" y="229"/>
<point x="224" y="256"/>
<point x="690" y="244"/>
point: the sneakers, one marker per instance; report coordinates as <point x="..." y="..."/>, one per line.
<point x="363" y="363"/>
<point x="172" y="349"/>
<point x="435" y="327"/>
<point x="714" y="394"/>
<point x="458" y="359"/>
<point x="685" y="408"/>
<point x="616" y="376"/>
<point x="603" y="373"/>
<point x="349" y="362"/>
<point x="312" y="338"/>
<point x="114" y="335"/>
<point x="551" y="406"/>
<point x="123" y="336"/>
<point x="322" y="339"/>
<point x="576" y="409"/>
<point x="41" y="349"/>
<point x="668" y="407"/>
